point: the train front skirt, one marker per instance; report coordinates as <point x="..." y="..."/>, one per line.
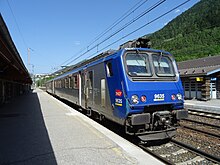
<point x="158" y="135"/>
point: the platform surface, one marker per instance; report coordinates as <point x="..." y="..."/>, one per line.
<point x="211" y="105"/>
<point x="38" y="129"/>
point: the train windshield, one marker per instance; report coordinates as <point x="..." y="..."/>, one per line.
<point x="163" y="65"/>
<point x="138" y="64"/>
<point x="150" y="65"/>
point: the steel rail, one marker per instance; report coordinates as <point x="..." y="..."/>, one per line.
<point x="215" y="114"/>
<point x="164" y="160"/>
<point x="202" y="131"/>
<point x="197" y="151"/>
<point x="199" y="122"/>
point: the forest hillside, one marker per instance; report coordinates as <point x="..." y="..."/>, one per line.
<point x="193" y="34"/>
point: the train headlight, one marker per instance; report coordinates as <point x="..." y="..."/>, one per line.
<point x="134" y="99"/>
<point x="179" y="96"/>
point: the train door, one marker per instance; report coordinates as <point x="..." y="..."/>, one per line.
<point x="103" y="93"/>
<point x="89" y="89"/>
<point x="53" y="88"/>
<point x="82" y="89"/>
<point x="86" y="83"/>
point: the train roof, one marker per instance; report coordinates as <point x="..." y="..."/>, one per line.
<point x="101" y="57"/>
<point x="85" y="63"/>
<point x="141" y="44"/>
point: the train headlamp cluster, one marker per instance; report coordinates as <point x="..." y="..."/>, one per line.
<point x="135" y="99"/>
<point x="177" y="96"/>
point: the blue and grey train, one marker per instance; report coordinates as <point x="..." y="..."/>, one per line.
<point x="135" y="86"/>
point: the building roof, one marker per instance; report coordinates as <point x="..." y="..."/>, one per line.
<point x="200" y="67"/>
<point x="11" y="65"/>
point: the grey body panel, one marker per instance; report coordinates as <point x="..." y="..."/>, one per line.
<point x="94" y="95"/>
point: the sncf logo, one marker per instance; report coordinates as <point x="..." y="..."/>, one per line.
<point x="118" y="92"/>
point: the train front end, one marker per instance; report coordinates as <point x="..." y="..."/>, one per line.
<point x="154" y="94"/>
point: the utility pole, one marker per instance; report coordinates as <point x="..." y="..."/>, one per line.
<point x="30" y="66"/>
<point x="29" y="59"/>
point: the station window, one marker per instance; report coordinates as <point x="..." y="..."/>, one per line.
<point x="186" y="86"/>
<point x="199" y="86"/>
<point x="193" y="85"/>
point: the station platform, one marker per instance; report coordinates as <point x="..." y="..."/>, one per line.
<point x="38" y="129"/>
<point x="211" y="105"/>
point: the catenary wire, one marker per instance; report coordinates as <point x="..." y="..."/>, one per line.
<point x="162" y="15"/>
<point x="17" y="24"/>
<point x="126" y="25"/>
<point x="118" y="21"/>
<point x="123" y="17"/>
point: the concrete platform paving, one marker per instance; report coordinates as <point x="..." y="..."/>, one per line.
<point x="38" y="129"/>
<point x="211" y="105"/>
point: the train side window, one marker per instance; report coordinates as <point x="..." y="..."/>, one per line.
<point x="63" y="83"/>
<point x="76" y="82"/>
<point x="66" y="83"/>
<point x="70" y="85"/>
<point x="90" y="80"/>
<point x="109" y="69"/>
<point x="60" y="84"/>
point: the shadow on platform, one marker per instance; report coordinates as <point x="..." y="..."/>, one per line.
<point x="23" y="134"/>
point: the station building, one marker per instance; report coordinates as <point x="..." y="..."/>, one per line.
<point x="14" y="76"/>
<point x="201" y="78"/>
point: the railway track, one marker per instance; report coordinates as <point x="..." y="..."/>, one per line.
<point x="176" y="152"/>
<point x="204" y="122"/>
<point x="201" y="129"/>
<point x="197" y="141"/>
<point x="172" y="152"/>
<point x="200" y="116"/>
<point x="204" y="113"/>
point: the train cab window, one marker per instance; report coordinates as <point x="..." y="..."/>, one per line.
<point x="109" y="69"/>
<point x="138" y="64"/>
<point x="163" y="65"/>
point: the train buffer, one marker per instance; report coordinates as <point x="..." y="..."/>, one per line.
<point x="38" y="129"/>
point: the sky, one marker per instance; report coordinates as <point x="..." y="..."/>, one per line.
<point x="60" y="33"/>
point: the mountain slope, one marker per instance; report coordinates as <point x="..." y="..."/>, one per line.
<point x="193" y="34"/>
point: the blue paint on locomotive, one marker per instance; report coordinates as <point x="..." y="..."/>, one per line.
<point x="121" y="82"/>
<point x="156" y="92"/>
